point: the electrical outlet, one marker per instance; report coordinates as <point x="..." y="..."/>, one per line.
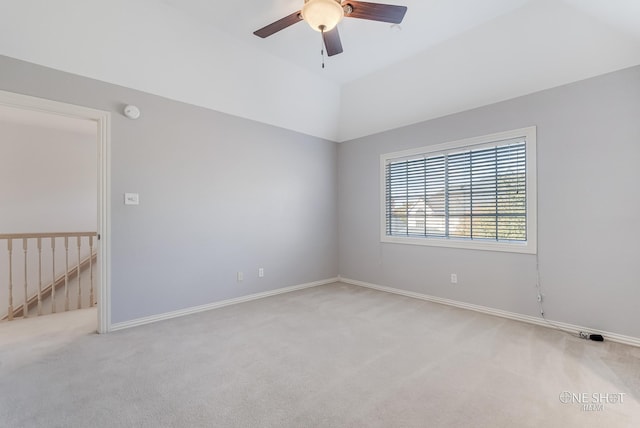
<point x="240" y="276"/>
<point x="454" y="278"/>
<point x="584" y="335"/>
<point x="260" y="272"/>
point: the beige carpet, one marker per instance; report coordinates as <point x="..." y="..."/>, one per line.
<point x="329" y="356"/>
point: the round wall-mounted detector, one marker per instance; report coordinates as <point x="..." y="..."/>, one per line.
<point x="132" y="112"/>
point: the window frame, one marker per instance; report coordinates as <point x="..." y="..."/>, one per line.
<point x="527" y="247"/>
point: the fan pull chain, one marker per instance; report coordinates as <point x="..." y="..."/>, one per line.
<point x="322" y="46"/>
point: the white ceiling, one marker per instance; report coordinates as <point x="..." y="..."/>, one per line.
<point x="368" y="45"/>
<point x="541" y="45"/>
<point x="450" y="56"/>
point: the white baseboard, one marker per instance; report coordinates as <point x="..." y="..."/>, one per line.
<point x="613" y="337"/>
<point x="215" y="305"/>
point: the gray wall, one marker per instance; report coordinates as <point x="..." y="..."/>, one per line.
<point x="218" y="194"/>
<point x="588" y="209"/>
<point x="221" y="194"/>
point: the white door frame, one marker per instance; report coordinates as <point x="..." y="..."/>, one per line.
<point x="103" y="123"/>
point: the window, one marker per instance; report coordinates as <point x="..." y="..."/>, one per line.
<point x="478" y="193"/>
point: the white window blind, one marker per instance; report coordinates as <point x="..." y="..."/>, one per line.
<point x="477" y="193"/>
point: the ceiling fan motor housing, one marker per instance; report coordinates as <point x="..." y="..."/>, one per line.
<point x="322" y="15"/>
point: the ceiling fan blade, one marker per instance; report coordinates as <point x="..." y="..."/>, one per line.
<point x="332" y="42"/>
<point x="280" y="24"/>
<point x="375" y="11"/>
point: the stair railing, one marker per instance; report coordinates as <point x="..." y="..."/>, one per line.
<point x="33" y="278"/>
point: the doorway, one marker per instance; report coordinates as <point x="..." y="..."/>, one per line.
<point x="97" y="124"/>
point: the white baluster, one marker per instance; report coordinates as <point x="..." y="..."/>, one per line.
<point x="25" y="305"/>
<point x="10" y="249"/>
<point x="78" y="238"/>
<point x="91" y="295"/>
<point x="39" y="276"/>
<point x="53" y="275"/>
<point x="66" y="273"/>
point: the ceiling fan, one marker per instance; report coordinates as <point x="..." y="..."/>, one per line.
<point x="324" y="15"/>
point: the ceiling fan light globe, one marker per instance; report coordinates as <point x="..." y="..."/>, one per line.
<point x="322" y="15"/>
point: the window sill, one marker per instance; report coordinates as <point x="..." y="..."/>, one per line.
<point x="501" y="246"/>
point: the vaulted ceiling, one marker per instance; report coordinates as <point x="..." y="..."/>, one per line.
<point x="447" y="55"/>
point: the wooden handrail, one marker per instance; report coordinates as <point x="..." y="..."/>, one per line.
<point x="45" y="235"/>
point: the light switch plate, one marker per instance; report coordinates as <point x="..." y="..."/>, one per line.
<point x="131" y="199"/>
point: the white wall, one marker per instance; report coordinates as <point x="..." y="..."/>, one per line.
<point x="48" y="179"/>
<point x="588" y="136"/>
